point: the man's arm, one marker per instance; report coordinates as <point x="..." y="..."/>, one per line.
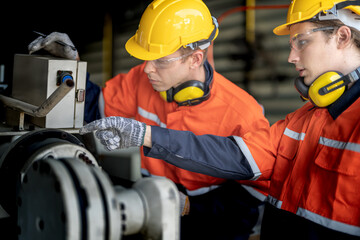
<point x="212" y="155"/>
<point x="207" y="154"/>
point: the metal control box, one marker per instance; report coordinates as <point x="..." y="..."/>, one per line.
<point x="35" y="78"/>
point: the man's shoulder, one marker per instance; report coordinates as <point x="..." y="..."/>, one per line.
<point x="226" y="83"/>
<point x="227" y="89"/>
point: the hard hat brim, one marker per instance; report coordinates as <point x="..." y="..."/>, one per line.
<point x="135" y="50"/>
<point x="284" y="28"/>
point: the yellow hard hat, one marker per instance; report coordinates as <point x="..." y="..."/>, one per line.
<point x="301" y="10"/>
<point x="167" y="25"/>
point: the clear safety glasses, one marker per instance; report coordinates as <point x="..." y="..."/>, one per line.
<point x="300" y="40"/>
<point x="162" y="63"/>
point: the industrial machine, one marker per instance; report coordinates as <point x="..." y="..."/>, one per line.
<point x="56" y="184"/>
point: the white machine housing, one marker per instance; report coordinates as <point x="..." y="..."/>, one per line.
<point x="35" y="78"/>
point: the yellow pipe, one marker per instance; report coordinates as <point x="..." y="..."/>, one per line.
<point x="250" y="22"/>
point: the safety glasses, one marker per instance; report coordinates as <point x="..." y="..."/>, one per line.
<point x="162" y="63"/>
<point x="300" y="40"/>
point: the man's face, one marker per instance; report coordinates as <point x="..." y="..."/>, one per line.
<point x="169" y="71"/>
<point x="312" y="52"/>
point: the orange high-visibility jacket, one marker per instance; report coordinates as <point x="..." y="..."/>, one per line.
<point x="313" y="161"/>
<point x="312" y="158"/>
<point x="229" y="111"/>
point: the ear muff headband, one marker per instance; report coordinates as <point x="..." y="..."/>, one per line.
<point x="187" y="93"/>
<point x="327" y="88"/>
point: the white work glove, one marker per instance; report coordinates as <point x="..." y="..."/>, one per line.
<point x="184" y="204"/>
<point x="58" y="44"/>
<point x="117" y="132"/>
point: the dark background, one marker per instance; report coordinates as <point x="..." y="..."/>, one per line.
<point x="83" y="22"/>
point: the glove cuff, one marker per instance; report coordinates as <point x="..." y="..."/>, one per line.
<point x="143" y="133"/>
<point x="138" y="134"/>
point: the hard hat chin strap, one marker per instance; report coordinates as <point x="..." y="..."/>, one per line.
<point x="337" y="12"/>
<point x="203" y="44"/>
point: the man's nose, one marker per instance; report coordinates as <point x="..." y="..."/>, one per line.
<point x="293" y="56"/>
<point x="149" y="67"/>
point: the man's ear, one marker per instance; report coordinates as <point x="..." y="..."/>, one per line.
<point x="343" y="36"/>
<point x="197" y="58"/>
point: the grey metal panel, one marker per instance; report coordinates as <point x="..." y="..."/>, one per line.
<point x="35" y="79"/>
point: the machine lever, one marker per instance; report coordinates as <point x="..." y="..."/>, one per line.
<point x="46" y="106"/>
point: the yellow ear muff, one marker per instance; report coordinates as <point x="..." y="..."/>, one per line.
<point x="188" y="93"/>
<point x="326" y="89"/>
<point x="163" y="95"/>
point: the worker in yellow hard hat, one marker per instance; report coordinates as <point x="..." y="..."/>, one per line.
<point x="173" y="37"/>
<point x="312" y="157"/>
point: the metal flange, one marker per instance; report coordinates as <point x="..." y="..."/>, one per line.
<point x="24" y="151"/>
<point x="67" y="199"/>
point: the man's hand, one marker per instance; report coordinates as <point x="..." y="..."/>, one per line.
<point x="52" y="44"/>
<point x="117" y="132"/>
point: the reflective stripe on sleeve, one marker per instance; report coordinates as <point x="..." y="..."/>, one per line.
<point x="273" y="201"/>
<point x="294" y="135"/>
<point x="325" y="141"/>
<point x="316" y="218"/>
<point x="339" y="145"/>
<point x="256" y="194"/>
<point x="201" y="191"/>
<point x="151" y="116"/>
<point x="329" y="223"/>
<point x="245" y="150"/>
